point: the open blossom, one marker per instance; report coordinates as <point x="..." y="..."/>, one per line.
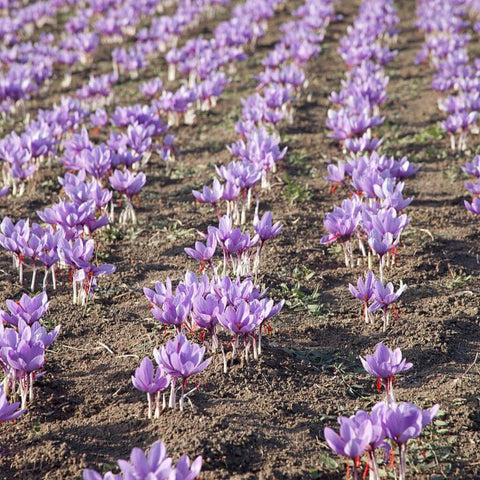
<point x="186" y="470"/>
<point x="155" y="465"/>
<point x="403" y="421"/>
<point x="473" y="207"/>
<point x="264" y="227"/>
<point x="384" y="364"/>
<point x="150" y="380"/>
<point x="203" y="252"/>
<point x="385" y="295"/>
<point x="174" y="310"/>
<point x="28" y="309"/>
<point x="127" y="182"/>
<point x="364" y="292"/>
<point x="8" y="411"/>
<point x="343" y="221"/>
<point x="180" y="358"/>
<point x="210" y="195"/>
<point x="353" y="439"/>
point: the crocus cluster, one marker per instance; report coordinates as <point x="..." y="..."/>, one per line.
<point x="238" y="307"/>
<point x="376" y="296"/>
<point x="385" y="364"/>
<point x="59" y="242"/>
<point x="22" y="155"/>
<point x="257" y="152"/>
<point x="372" y="216"/>
<point x="177" y="361"/>
<point x="30" y="65"/>
<point x="365" y="50"/>
<point x="241" y="253"/>
<point x="374" y="222"/>
<point x="23" y="342"/>
<point x="113" y="164"/>
<point x="455" y="78"/>
<point x="155" y="465"/>
<point x="388" y="425"/>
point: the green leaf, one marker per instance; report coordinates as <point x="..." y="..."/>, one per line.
<point x="328" y="462"/>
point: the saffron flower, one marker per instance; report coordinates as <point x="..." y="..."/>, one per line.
<point x="355" y="436"/>
<point x="155" y="465"/>
<point x="151" y="381"/>
<point x="181" y="359"/>
<point x="403" y="421"/>
<point x="384" y="364"/>
<point x="384" y="297"/>
<point x="210" y="195"/>
<point x="130" y="185"/>
<point x="242" y="319"/>
<point x="364" y="292"/>
<point x="8" y="411"/>
<point x="266" y="230"/>
<point x="30" y="310"/>
<point x="202" y="252"/>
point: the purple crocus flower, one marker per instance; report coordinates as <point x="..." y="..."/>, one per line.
<point x="336" y="174"/>
<point x="129" y="184"/>
<point x="97" y="161"/>
<point x="342" y="224"/>
<point x="403" y="421"/>
<point x="154" y="465"/>
<point x="174" y="310"/>
<point x="151" y="381"/>
<point x="8" y="411"/>
<point x="99" y="119"/>
<point x="473" y="188"/>
<point x="265" y="230"/>
<point x="186" y="471"/>
<point x="264" y="227"/>
<point x="22" y="357"/>
<point x="202" y="252"/>
<point x="473" y="207"/>
<point x="181" y="359"/>
<point x="354" y="438"/>
<point x="210" y="195"/>
<point x="30" y="310"/>
<point x="390" y="194"/>
<point x="384" y="364"/>
<point x="73" y="218"/>
<point x="381" y="244"/>
<point x="364" y="292"/>
<point x="242" y="319"/>
<point x="151" y="88"/>
<point x="26" y="358"/>
<point x="385" y="296"/>
<point x="35" y="333"/>
<point x="205" y="313"/>
<point x="88" y="276"/>
<point x="473" y="168"/>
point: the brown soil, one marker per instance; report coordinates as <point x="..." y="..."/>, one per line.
<point x="265" y="420"/>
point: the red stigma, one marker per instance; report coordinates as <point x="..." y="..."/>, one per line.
<point x="332" y="190"/>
